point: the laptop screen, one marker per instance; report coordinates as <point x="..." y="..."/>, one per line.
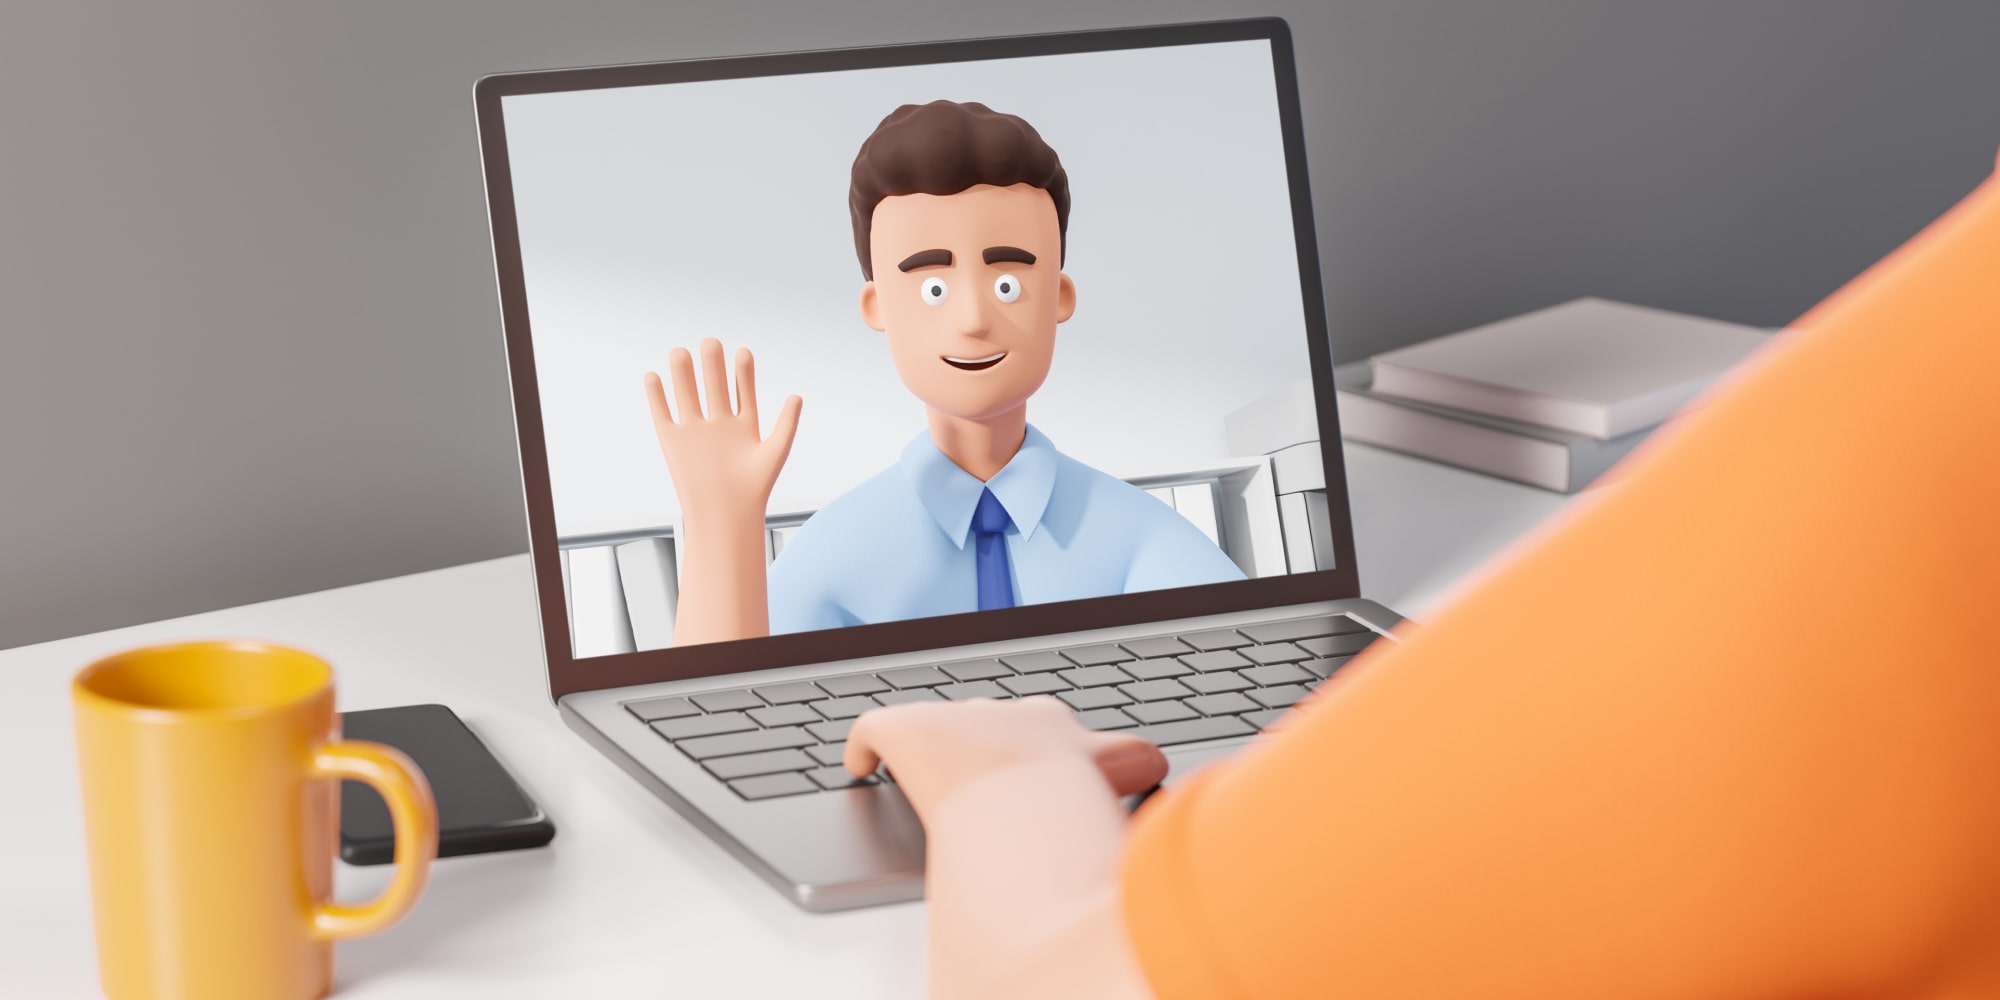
<point x="1042" y="315"/>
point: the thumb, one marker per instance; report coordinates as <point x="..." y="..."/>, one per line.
<point x="786" y="428"/>
<point x="1129" y="763"/>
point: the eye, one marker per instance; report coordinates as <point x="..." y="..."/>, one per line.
<point x="934" y="290"/>
<point x="1007" y="287"/>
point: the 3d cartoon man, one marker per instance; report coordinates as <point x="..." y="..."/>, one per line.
<point x="960" y="219"/>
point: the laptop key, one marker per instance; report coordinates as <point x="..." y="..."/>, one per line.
<point x="1338" y="645"/>
<point x="1159" y="690"/>
<point x="1304" y="628"/>
<point x="852" y="685"/>
<point x="770" y="786"/>
<point x="828" y="753"/>
<point x="976" y="670"/>
<point x="1325" y="667"/>
<point x="915" y="677"/>
<point x="1220" y="638"/>
<point x="704" y="725"/>
<point x="1090" y="677"/>
<point x="768" y="762"/>
<point x="843" y="708"/>
<point x="754" y="741"/>
<point x="1228" y="703"/>
<point x="1105" y="718"/>
<point x="727" y="701"/>
<point x="1160" y="669"/>
<point x="1164" y="645"/>
<point x="1279" y="697"/>
<point x="1033" y="684"/>
<point x="1159" y="711"/>
<point x="655" y="709"/>
<point x="783" y="715"/>
<point x="831" y="778"/>
<point x="1098" y="655"/>
<point x="1218" y="682"/>
<point x="831" y="732"/>
<point x="1099" y="697"/>
<point x="1271" y="676"/>
<point x="905" y="697"/>
<point x="1263" y="719"/>
<point x="973" y="689"/>
<point x="1194" y="730"/>
<point x="1278" y="652"/>
<point x="1035" y="663"/>
<point x="789" y="694"/>
<point x="1221" y="659"/>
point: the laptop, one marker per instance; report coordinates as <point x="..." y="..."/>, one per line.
<point x="991" y="368"/>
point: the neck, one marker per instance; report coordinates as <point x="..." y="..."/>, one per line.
<point x="981" y="447"/>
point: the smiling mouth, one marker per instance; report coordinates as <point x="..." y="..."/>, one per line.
<point x="976" y="364"/>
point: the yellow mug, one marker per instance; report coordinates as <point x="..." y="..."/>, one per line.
<point x="211" y="807"/>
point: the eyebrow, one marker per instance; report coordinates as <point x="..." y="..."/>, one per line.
<point x="1007" y="255"/>
<point x="925" y="258"/>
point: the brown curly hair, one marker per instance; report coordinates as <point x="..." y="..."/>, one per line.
<point x="943" y="148"/>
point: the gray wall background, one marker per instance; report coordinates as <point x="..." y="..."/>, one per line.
<point x="248" y="339"/>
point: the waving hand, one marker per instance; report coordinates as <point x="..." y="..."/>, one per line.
<point x="723" y="471"/>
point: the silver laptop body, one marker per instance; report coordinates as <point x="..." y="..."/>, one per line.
<point x="738" y="737"/>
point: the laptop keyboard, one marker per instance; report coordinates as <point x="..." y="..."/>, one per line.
<point x="787" y="739"/>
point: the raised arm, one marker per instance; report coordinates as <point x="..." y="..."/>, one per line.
<point x="723" y="471"/>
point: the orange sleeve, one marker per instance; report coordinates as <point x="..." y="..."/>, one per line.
<point x="1731" y="730"/>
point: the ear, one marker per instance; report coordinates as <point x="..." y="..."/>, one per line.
<point x="871" y="307"/>
<point x="1065" y="298"/>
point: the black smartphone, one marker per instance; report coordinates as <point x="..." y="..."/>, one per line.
<point x="480" y="806"/>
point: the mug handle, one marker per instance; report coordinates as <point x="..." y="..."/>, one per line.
<point x="414" y="816"/>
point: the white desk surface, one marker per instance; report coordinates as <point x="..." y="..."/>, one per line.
<point x="629" y="900"/>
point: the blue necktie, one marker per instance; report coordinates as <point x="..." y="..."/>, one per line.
<point x="989" y="548"/>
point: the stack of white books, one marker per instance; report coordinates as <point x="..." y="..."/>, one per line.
<point x="1551" y="398"/>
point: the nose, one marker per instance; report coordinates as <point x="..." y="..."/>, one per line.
<point x="968" y="313"/>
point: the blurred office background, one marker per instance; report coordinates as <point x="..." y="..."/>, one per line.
<point x="250" y="346"/>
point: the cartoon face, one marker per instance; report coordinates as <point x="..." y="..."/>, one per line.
<point x="969" y="288"/>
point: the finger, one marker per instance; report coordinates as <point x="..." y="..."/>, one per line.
<point x="1129" y="763"/>
<point x="1046" y="704"/>
<point x="862" y="754"/>
<point x="786" y="428"/>
<point x="656" y="399"/>
<point x="715" y="379"/>
<point x="746" y="385"/>
<point x="680" y="366"/>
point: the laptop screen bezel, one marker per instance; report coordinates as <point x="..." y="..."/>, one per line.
<point x="568" y="674"/>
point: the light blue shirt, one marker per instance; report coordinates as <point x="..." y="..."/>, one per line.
<point x="899" y="545"/>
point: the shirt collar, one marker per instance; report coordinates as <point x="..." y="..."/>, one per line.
<point x="950" y="493"/>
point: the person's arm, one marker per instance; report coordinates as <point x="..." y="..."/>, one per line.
<point x="723" y="473"/>
<point x="1020" y="807"/>
<point x="1172" y="552"/>
<point x="805" y="579"/>
<point x="1731" y="731"/>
